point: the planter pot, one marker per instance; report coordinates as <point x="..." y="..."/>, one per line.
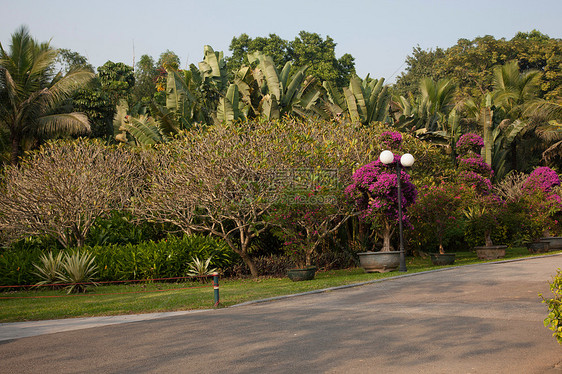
<point x="554" y="242"/>
<point x="538" y="247"/>
<point x="491" y="252"/>
<point x="379" y="262"/>
<point x="441" y="259"/>
<point x="297" y="275"/>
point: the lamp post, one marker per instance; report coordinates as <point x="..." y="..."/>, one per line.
<point x="407" y="160"/>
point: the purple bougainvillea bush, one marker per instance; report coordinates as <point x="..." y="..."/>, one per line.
<point x="390" y="140"/>
<point x="544" y="197"/>
<point x="469" y="143"/>
<point x="375" y="194"/>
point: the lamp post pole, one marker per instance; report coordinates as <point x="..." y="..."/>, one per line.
<point x="407" y="160"/>
<point x="400" y="227"/>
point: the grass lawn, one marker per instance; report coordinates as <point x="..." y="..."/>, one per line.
<point x="160" y="297"/>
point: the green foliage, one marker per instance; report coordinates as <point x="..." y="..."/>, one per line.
<point x="200" y="268"/>
<point x="32" y="94"/>
<point x="49" y="268"/>
<point x="471" y="62"/>
<point x="167" y="258"/>
<point x="121" y="228"/>
<point x="307" y="49"/>
<point x="365" y="100"/>
<point x="554" y="319"/>
<point x="77" y="270"/>
<point x="435" y="215"/>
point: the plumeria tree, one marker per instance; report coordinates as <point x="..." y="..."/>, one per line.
<point x="375" y="194"/>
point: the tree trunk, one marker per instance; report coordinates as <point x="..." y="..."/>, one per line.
<point x="249" y="263"/>
<point x="441" y="249"/>
<point x="488" y="238"/>
<point x="386" y="236"/>
<point x="15" y="151"/>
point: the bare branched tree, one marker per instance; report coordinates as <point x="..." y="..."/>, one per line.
<point x="64" y="187"/>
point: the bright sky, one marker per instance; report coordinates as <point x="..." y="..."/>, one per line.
<point x="378" y="33"/>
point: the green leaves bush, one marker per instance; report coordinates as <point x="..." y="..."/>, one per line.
<point x="167" y="258"/>
<point x="554" y="319"/>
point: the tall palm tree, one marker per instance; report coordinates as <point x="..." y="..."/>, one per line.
<point x="31" y="92"/>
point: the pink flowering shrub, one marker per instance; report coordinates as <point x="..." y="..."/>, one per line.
<point x="545" y="204"/>
<point x="542" y="178"/>
<point x="390" y="140"/>
<point x="375" y="195"/>
<point x="476" y="165"/>
<point x="468" y="143"/>
<point x="480" y="184"/>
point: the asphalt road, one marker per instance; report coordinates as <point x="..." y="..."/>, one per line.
<point x="476" y="319"/>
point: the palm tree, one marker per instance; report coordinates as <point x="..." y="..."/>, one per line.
<point x="31" y="92"/>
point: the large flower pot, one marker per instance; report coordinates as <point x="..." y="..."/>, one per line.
<point x="442" y="259"/>
<point x="490" y="253"/>
<point x="554" y="242"/>
<point x="379" y="262"/>
<point x="538" y="247"/>
<point x="297" y="275"/>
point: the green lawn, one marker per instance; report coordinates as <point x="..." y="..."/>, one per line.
<point x="160" y="297"/>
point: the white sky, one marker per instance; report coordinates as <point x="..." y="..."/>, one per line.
<point x="378" y="33"/>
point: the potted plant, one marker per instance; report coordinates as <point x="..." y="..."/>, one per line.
<point x="375" y="197"/>
<point x="303" y="220"/>
<point x="435" y="212"/>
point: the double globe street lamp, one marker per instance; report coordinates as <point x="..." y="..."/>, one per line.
<point x="406" y="161"/>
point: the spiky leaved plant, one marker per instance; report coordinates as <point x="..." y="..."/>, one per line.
<point x="78" y="270"/>
<point x="200" y="268"/>
<point x="48" y="269"/>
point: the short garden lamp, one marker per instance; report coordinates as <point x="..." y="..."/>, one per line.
<point x="407" y="160"/>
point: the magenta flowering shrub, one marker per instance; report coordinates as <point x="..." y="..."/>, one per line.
<point x="375" y="194"/>
<point x="469" y="142"/>
<point x="476" y="165"/>
<point x="480" y="184"/>
<point x="542" y="178"/>
<point x="390" y="140"/>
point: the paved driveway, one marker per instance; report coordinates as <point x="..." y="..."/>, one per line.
<point x="476" y="319"/>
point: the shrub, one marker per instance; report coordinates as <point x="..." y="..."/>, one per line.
<point x="167" y="258"/>
<point x="77" y="270"/>
<point x="49" y="268"/>
<point x="435" y="213"/>
<point x="554" y="319"/>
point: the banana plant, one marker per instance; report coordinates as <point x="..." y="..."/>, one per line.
<point x="364" y="100"/>
<point x="265" y="91"/>
<point x="138" y="129"/>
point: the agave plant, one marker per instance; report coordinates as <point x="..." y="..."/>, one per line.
<point x="49" y="269"/>
<point x="78" y="270"/>
<point x="200" y="268"/>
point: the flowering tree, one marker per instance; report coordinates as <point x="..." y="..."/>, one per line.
<point x="375" y="194"/>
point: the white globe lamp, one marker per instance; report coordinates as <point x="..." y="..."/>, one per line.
<point x="386" y="157"/>
<point x="407" y="160"/>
